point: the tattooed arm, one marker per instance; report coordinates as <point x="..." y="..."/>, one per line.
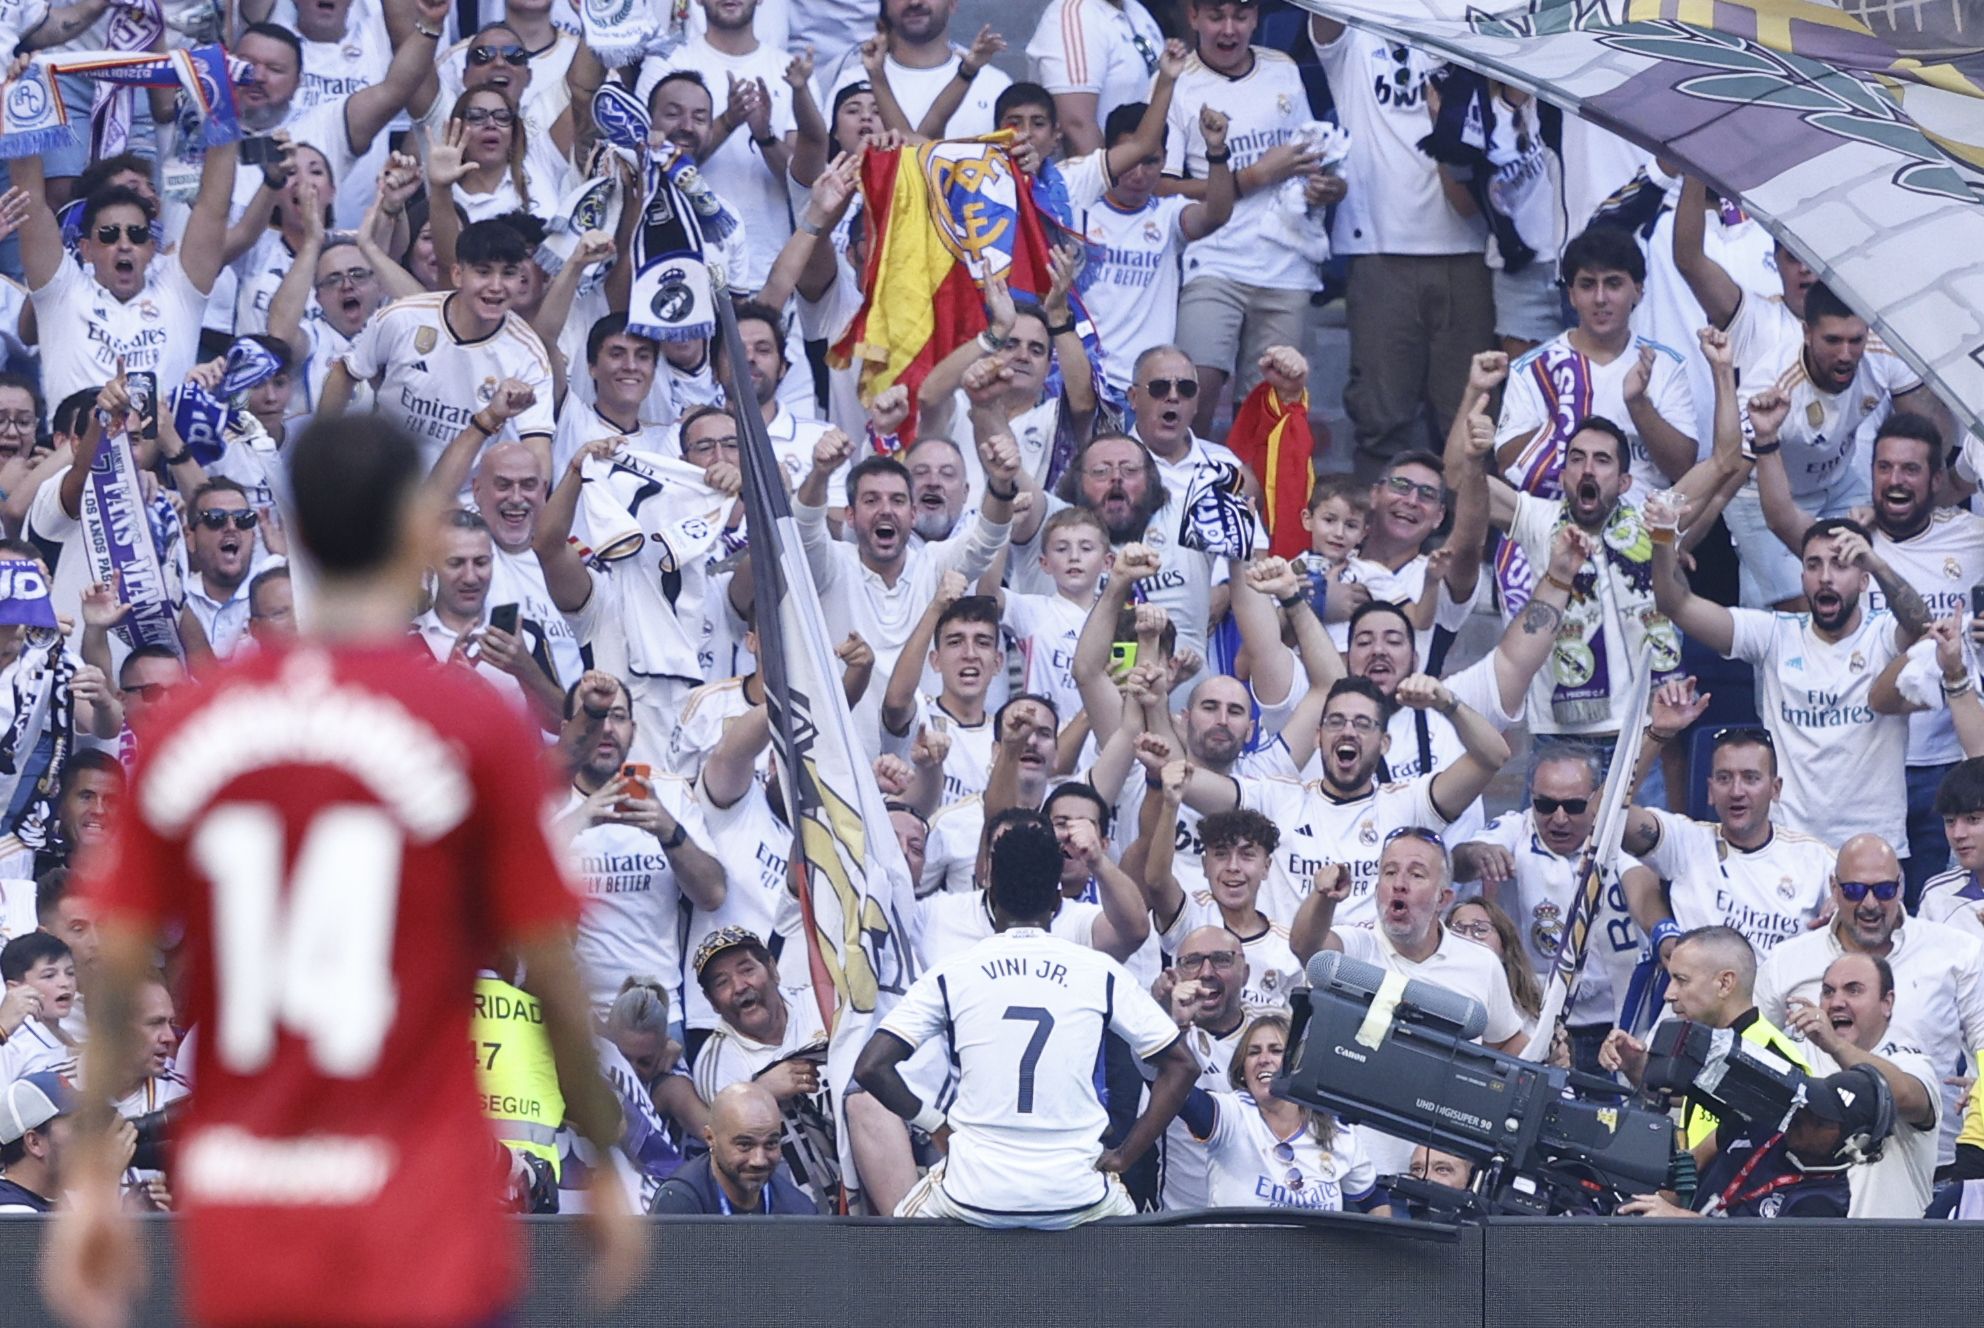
<point x="1911" y="615"/>
<point x="1527" y="641"/>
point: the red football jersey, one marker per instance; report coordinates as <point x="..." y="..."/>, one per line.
<point x="345" y="835"/>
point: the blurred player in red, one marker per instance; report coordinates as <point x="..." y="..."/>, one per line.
<point x="344" y="834"/>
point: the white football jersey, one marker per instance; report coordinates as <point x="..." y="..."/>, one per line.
<point x="1182" y="1161"/>
<point x="1132" y="276"/>
<point x="1319" y="827"/>
<point x="1044" y="628"/>
<point x="1941" y="563"/>
<point x="1273" y="971"/>
<point x="754" y="847"/>
<point x="1252" y="1167"/>
<point x="1954" y="898"/>
<point x="1528" y="404"/>
<point x="1024" y="1015"/>
<point x="632" y="913"/>
<point x="1770" y="894"/>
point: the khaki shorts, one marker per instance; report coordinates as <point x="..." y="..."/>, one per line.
<point x="927" y="1199"/>
<point x="1225" y="325"/>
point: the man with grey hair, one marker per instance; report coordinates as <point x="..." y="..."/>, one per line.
<point x="1527" y="861"/>
<point x="939" y="488"/>
<point x="1163" y="388"/>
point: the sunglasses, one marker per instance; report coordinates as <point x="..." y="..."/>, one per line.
<point x="1743" y="733"/>
<point x="1855" y="891"/>
<point x="1550" y="806"/>
<point x="214" y="519"/>
<point x="1418" y="832"/>
<point x="1284" y="1153"/>
<point x="135" y="234"/>
<point x="499" y="116"/>
<point x="514" y="56"/>
<point x="1186" y="388"/>
<point x="1426" y="493"/>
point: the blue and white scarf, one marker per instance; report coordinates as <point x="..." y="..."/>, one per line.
<point x="125" y="547"/>
<point x="33" y="119"/>
<point x="202" y="417"/>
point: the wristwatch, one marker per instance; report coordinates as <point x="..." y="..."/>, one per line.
<point x="432" y="34"/>
<point x="676" y="840"/>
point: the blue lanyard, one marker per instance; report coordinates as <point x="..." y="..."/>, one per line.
<point x="764" y="1201"/>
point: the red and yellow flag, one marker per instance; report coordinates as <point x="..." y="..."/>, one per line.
<point x="1272" y="436"/>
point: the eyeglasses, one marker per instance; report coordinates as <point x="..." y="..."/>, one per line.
<point x="1219" y="959"/>
<point x="1550" y="806"/>
<point x="1855" y="891"/>
<point x="500" y="116"/>
<point x="351" y="276"/>
<point x="1474" y="931"/>
<point x="1122" y="470"/>
<point x="1426" y="493"/>
<point x="710" y="446"/>
<point x="1338" y="723"/>
<point x="514" y="56"/>
<point x="18" y="423"/>
<point x="1186" y="388"/>
<point x="135" y="234"/>
<point x="215" y="519"/>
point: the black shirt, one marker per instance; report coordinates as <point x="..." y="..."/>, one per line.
<point x="694" y="1189"/>
<point x="1770" y="1185"/>
<point x="18" y="1196"/>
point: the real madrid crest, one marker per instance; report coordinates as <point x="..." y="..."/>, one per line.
<point x="1786" y="887"/>
<point x="1856" y="662"/>
<point x="1546" y="932"/>
<point x="1283" y="104"/>
<point x="1367" y="832"/>
<point x="424" y="339"/>
<point x="1815" y="414"/>
<point x="1952" y="569"/>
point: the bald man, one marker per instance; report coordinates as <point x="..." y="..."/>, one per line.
<point x="1938" y="969"/>
<point x="742" y="1173"/>
<point x="1711" y="979"/>
<point x="1202" y="990"/>
<point x="1850" y="1026"/>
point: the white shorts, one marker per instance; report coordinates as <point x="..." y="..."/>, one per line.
<point x="927" y="1199"/>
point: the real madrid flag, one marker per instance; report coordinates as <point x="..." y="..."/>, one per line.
<point x="852" y="880"/>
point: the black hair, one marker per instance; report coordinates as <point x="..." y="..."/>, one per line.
<point x="1375" y="606"/>
<point x="1082" y="791"/>
<point x="967" y="609"/>
<point x="1026" y="872"/>
<point x="1821" y="302"/>
<point x="50" y="889"/>
<point x="1602" y="249"/>
<point x="1025" y="94"/>
<point x="1902" y="424"/>
<point x="1599" y="424"/>
<point x="1962" y="791"/>
<point x="1829" y="526"/>
<point x="72" y="413"/>
<point x="353" y="477"/>
<point x="753" y="311"/>
<point x="29" y="386"/>
<point x="264" y="578"/>
<point x="98" y="173"/>
<point x="491" y="241"/>
<point x="697" y="416"/>
<point x="530" y="227"/>
<point x="29" y="950"/>
<point x="680" y="76"/>
<point x="999" y="715"/>
<point x="218" y="484"/>
<point x="86" y="760"/>
<point x="276" y="32"/>
<point x="115" y="195"/>
<point x="1370" y="691"/>
<point x="875" y="465"/>
<point x="149" y="652"/>
<point x="1240" y="825"/>
<point x="1122" y="122"/>
<point x="612" y="325"/>
<point x="572" y="696"/>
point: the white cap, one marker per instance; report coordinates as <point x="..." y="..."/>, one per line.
<point x="32" y="1101"/>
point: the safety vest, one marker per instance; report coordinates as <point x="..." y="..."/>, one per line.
<point x="1698" y="1122"/>
<point x="514" y="1070"/>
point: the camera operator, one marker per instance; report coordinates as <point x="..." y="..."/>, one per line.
<point x="151" y="1086"/>
<point x="1711" y="973"/>
<point x="1849" y="1027"/>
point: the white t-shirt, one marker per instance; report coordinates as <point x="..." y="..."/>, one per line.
<point x="1318" y="827"/>
<point x="1941" y="563"/>
<point x="1131" y="279"/>
<point x="968" y="764"/>
<point x="1938" y="994"/>
<point x="917" y="89"/>
<point x="1956" y="899"/>
<point x="950" y="848"/>
<point x="754" y="846"/>
<point x="85" y="330"/>
<point x="1183" y="1166"/>
<point x="431" y="383"/>
<point x="632" y="915"/>
<point x="706" y="713"/>
<point x="1818" y="435"/>
<point x="1903" y="1181"/>
<point x="1528" y="406"/>
<point x="1840" y="761"/>
<point x="1248" y="1170"/>
<point x="1096" y="46"/>
<point x="1024" y="1015"/>
<point x="1263" y="108"/>
<point x="952" y="922"/>
<point x="1045" y="628"/>
<point x="518" y="578"/>
<point x="1770" y="894"/>
<point x="1394" y="204"/>
<point x="1273" y="971"/>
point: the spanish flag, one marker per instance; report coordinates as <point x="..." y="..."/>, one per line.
<point x="943" y="217"/>
<point x="1272" y="436"/>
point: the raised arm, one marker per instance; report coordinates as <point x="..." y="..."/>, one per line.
<point x="565" y="576"/>
<point x="1713" y="288"/>
<point x="1311" y="932"/>
<point x="811" y="132"/>
<point x="1158" y="832"/>
<point x="985" y="47"/>
<point x="899" y="701"/>
<point x="1484" y="751"/>
<point x="292" y="295"/>
<point x="1271" y="665"/>
<point x="1148" y="139"/>
<point x="42" y="250"/>
<point x="1705" y="620"/>
<point x="1911" y="614"/>
<point x="1481" y="498"/>
<point x="1090" y="666"/>
<point x="370" y="109"/>
<point x="1725" y="467"/>
<point x="936" y="394"/>
<point x="1215" y="206"/>
<point x="1672" y="451"/>
<point x="1077" y="382"/>
<point x="732" y="766"/>
<point x="206" y="229"/>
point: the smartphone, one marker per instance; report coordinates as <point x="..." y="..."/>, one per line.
<point x="1122" y="657"/>
<point x="638" y="776"/>
<point x="257" y="151"/>
<point x="503" y="617"/>
<point x="143" y="386"/>
<point x="1977" y="600"/>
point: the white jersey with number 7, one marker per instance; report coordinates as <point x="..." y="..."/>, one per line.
<point x="1024" y="1015"/>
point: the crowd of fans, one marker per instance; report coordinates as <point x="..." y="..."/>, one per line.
<point x="1599" y="423"/>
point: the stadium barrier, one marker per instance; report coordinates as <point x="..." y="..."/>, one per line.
<point x="1344" y="1272"/>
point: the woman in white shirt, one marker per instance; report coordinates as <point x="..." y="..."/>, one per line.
<point x="1269" y="1152"/>
<point x="1486" y="923"/>
<point x="263" y="267"/>
<point x="487" y="160"/>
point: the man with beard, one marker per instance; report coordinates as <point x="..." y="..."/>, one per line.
<point x="1611" y="629"/>
<point x="1202" y="991"/>
<point x="742" y="1172"/>
<point x="508" y="490"/>
<point x="770" y="1035"/>
<point x="920" y="61"/>
<point x="1345" y="816"/>
<point x="1239" y="855"/>
<point x="1742" y="870"/>
<point x="457" y="630"/>
<point x="938" y="488"/>
<point x="91" y="786"/>
<point x="1938" y="969"/>
<point x="1835" y="375"/>
<point x="640" y="847"/>
<point x="220" y="555"/>
<point x="877" y="587"/>
<point x="1848" y="1027"/>
<point x="1939" y="551"/>
<point x="1527" y="861"/>
<point x="1841" y="738"/>
<point x="762" y="331"/>
<point x="342" y="128"/>
<point x="348" y="293"/>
